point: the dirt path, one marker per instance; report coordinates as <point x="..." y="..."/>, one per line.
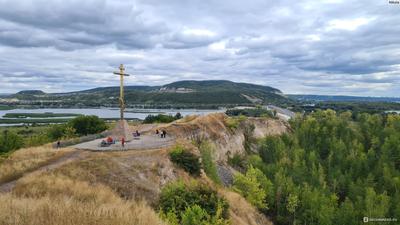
<point x="68" y="157"/>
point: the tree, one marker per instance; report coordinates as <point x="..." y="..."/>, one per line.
<point x="178" y="116"/>
<point x="85" y="125"/>
<point x="317" y="207"/>
<point x="347" y="214"/>
<point x="292" y="203"/>
<point x="376" y="205"/>
<point x="254" y="186"/>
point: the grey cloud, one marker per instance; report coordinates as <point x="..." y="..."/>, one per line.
<point x="305" y="46"/>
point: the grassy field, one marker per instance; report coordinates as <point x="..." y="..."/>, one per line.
<point x="51" y="199"/>
<point x="26" y="131"/>
<point x="26" y="160"/>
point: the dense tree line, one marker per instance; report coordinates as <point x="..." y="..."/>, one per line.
<point x="332" y="169"/>
<point x="355" y="107"/>
<point x="162" y="118"/>
<point x="250" y="112"/>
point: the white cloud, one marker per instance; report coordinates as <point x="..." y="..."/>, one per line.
<point x="198" y="32"/>
<point x="348" y="24"/>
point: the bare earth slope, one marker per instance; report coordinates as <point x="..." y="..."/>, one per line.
<point x="227" y="141"/>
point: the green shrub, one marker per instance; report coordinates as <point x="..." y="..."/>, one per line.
<point x="56" y="131"/>
<point x="209" y="166"/>
<point x="37" y="140"/>
<point x="237" y="161"/>
<point x="192" y="204"/>
<point x="254" y="186"/>
<point x="161" y="118"/>
<point x="61" y="131"/>
<point x="185" y="159"/>
<point x="194" y="215"/>
<point x="10" y="141"/>
<point x="85" y="125"/>
<point x="233" y="122"/>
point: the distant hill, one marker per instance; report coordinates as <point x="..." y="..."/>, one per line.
<point x="31" y="92"/>
<point x="220" y="85"/>
<point x="199" y="94"/>
<point x="342" y="98"/>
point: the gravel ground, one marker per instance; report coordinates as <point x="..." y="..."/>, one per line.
<point x="146" y="141"/>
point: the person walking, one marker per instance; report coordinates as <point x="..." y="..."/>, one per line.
<point x="58" y="144"/>
<point x="123" y="142"/>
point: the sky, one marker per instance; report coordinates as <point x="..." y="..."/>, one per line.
<point x="333" y="47"/>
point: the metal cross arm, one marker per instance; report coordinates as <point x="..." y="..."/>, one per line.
<point x="121" y="74"/>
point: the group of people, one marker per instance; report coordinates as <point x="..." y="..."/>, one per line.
<point x="109" y="141"/>
<point x="163" y="133"/>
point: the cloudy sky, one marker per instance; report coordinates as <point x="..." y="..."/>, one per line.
<point x="311" y="47"/>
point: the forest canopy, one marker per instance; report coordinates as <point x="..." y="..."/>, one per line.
<point x="332" y="169"/>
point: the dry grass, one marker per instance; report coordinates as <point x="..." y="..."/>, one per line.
<point x="26" y="160"/>
<point x="131" y="174"/>
<point x="59" y="186"/>
<point x="241" y="212"/>
<point x="187" y="119"/>
<point x="52" y="199"/>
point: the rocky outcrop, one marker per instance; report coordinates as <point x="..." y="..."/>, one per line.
<point x="228" y="141"/>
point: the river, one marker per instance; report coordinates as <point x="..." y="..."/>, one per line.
<point x="130" y="113"/>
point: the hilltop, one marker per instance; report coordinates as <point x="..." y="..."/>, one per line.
<point x="31" y="92"/>
<point x="181" y="94"/>
<point x="83" y="187"/>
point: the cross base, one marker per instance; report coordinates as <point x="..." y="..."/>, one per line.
<point x="122" y="130"/>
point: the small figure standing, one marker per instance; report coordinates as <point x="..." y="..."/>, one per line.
<point x="157" y="132"/>
<point x="163" y="133"/>
<point x="58" y="144"/>
<point x="123" y="142"/>
<point x="137" y="133"/>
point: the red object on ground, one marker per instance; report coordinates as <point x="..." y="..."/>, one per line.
<point x="109" y="140"/>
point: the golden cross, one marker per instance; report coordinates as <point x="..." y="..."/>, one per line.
<point x="121" y="89"/>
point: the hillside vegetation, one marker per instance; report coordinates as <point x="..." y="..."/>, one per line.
<point x="127" y="186"/>
<point x="184" y="94"/>
<point x="325" y="168"/>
